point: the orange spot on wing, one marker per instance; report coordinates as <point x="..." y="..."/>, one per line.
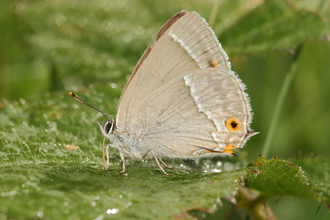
<point x="229" y="148"/>
<point x="214" y="63"/>
<point x="233" y="124"/>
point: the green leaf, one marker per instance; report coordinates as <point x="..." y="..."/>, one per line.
<point x="317" y="169"/>
<point x="279" y="177"/>
<point x="84" y="191"/>
<point x="273" y="25"/>
<point x="265" y="179"/>
<point x="44" y="177"/>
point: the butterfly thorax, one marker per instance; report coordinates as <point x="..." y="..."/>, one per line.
<point x="129" y="144"/>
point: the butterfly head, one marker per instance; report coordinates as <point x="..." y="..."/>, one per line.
<point x="107" y="128"/>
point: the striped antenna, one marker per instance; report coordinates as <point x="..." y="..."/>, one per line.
<point x="89" y="105"/>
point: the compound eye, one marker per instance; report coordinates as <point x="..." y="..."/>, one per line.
<point x="108" y="127"/>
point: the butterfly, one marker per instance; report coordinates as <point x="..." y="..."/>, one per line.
<point x="182" y="100"/>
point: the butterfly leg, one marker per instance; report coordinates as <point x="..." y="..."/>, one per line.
<point x="164" y="164"/>
<point x="122" y="162"/>
<point x="161" y="168"/>
<point x="106" y="157"/>
<point x="145" y="154"/>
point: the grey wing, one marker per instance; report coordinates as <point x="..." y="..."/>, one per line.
<point x="185" y="43"/>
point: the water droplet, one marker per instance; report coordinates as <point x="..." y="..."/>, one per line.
<point x="112" y="211"/>
<point x="40" y="214"/>
<point x="216" y="170"/>
<point x="113" y="85"/>
<point x="219" y="163"/>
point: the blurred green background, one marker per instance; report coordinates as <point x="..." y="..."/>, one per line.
<point x="48" y="48"/>
<point x="54" y="46"/>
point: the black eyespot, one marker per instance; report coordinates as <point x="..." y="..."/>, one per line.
<point x="108" y="127"/>
<point x="233" y="124"/>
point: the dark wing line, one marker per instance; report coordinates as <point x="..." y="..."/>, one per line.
<point x="165" y="27"/>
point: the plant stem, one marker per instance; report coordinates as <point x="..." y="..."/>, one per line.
<point x="214" y="12"/>
<point x="279" y="104"/>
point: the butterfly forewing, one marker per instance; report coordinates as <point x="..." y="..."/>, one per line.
<point x="186" y="45"/>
